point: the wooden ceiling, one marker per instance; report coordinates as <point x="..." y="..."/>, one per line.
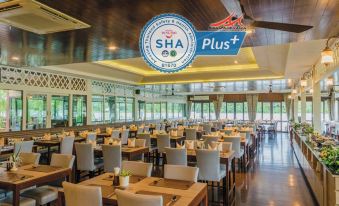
<point x="119" y="22"/>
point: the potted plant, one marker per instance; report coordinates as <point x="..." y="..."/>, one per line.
<point x="124" y="178"/>
<point x="15" y="159"/>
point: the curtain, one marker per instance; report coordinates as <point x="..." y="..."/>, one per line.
<point x="217" y="105"/>
<point x="252" y="101"/>
<point x="331" y="106"/>
<point x="288" y="103"/>
<point x="189" y="109"/>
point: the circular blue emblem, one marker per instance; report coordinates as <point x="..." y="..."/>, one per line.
<point x="168" y="43"/>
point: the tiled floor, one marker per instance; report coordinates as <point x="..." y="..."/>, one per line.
<point x="274" y="178"/>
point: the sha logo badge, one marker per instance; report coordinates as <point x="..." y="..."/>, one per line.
<point x="168" y="43"/>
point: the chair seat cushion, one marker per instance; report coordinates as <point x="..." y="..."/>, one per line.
<point x="24" y="201"/>
<point x="42" y="195"/>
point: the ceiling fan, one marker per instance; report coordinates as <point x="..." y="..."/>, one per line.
<point x="296" y="28"/>
<point x="270" y="89"/>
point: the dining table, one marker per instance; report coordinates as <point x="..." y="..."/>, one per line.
<point x="173" y="139"/>
<point x="174" y="192"/>
<point x="30" y="175"/>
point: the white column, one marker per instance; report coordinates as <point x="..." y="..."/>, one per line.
<point x="295" y="109"/>
<point x="24" y="109"/>
<point x="48" y="112"/>
<point x="316" y="107"/>
<point x="70" y="109"/>
<point x="303" y="105"/>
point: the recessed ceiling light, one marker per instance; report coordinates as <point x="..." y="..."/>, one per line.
<point x="235" y="62"/>
<point x="250" y="30"/>
<point x="190" y="66"/>
<point x="112" y="48"/>
<point x="15" y="58"/>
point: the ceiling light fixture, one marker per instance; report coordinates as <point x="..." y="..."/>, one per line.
<point x="311" y="91"/>
<point x="294" y="91"/>
<point x="250" y="30"/>
<point x="303" y="83"/>
<point x="112" y="48"/>
<point x="15" y="58"/>
<point x="329" y="81"/>
<point x="235" y="62"/>
<point x="327" y="53"/>
<point x="289" y="96"/>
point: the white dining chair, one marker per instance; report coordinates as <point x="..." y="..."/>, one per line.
<point x="24" y="201"/>
<point x="207" y="128"/>
<point x="138" y="168"/>
<point x="112" y="157"/>
<point x="236" y="146"/>
<point x="23" y="146"/>
<point x="66" y="145"/>
<point x="80" y="195"/>
<point x="115" y="134"/>
<point x="176" y="156"/>
<point x="163" y="141"/>
<point x="140" y="130"/>
<point x="124" y="136"/>
<point x="85" y="160"/>
<point x="209" y="139"/>
<point x="49" y="193"/>
<point x="126" y="198"/>
<point x="181" y="172"/>
<point x="29" y="158"/>
<point x="191" y="133"/>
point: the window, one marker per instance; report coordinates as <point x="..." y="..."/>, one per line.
<point x="97" y="109"/>
<point x="163" y="110"/>
<point x="169" y="110"/>
<point x="276" y="108"/>
<point x="79" y="110"/>
<point x="239" y="110"/>
<point x="212" y="111"/>
<point x="157" y="110"/>
<point x="109" y="109"/>
<point x="223" y="111"/>
<point x="120" y="109"/>
<point x="205" y="110"/>
<point x="259" y="111"/>
<point x="59" y="111"/>
<point x="175" y="110"/>
<point x="266" y="111"/>
<point x="129" y="109"/>
<point x="36" y="111"/>
<point x="149" y="111"/>
<point x="197" y="110"/>
<point x="230" y="110"/>
<point x="309" y="111"/>
<point x="246" y="111"/>
<point x="10" y="110"/>
<point x="141" y="110"/>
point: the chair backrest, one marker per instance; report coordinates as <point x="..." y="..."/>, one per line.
<point x="191" y="133"/>
<point x="157" y="126"/>
<point x="209" y="139"/>
<point x="176" y="156"/>
<point x="66" y="146"/>
<point x="29" y="158"/>
<point x="146" y="129"/>
<point x="147" y="137"/>
<point x="208" y="162"/>
<point x="140" y="143"/>
<point x="85" y="156"/>
<point x="23" y="146"/>
<point x="138" y="168"/>
<point x="115" y="134"/>
<point x="140" y="130"/>
<point x="236" y="144"/>
<point x="62" y="160"/>
<point x="112" y="157"/>
<point x="91" y="136"/>
<point x="163" y="127"/>
<point x="76" y="194"/>
<point x="124" y="136"/>
<point x="228" y="131"/>
<point x="126" y="198"/>
<point x="207" y="128"/>
<point x="181" y="172"/>
<point x="163" y="140"/>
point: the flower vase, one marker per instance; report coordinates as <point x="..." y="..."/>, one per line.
<point x="14" y="168"/>
<point x="124" y="181"/>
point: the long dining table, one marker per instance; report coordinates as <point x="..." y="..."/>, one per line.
<point x="30" y="175"/>
<point x="129" y="152"/>
<point x="174" y="192"/>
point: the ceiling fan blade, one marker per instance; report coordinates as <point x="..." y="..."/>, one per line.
<point x="296" y="28"/>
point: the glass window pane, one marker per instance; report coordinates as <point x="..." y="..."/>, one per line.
<point x="109" y="109"/>
<point x="246" y="111"/>
<point x="149" y="111"/>
<point x="175" y="110"/>
<point x="36" y="111"/>
<point x="59" y="111"/>
<point x="212" y="111"/>
<point x="97" y="109"/>
<point x="169" y="110"/>
<point x="197" y="110"/>
<point x="259" y="111"/>
<point x="230" y="110"/>
<point x="157" y="112"/>
<point x="129" y="109"/>
<point x="309" y="111"/>
<point x="121" y="109"/>
<point x="223" y="111"/>
<point x="239" y="111"/>
<point x="10" y="110"/>
<point x="141" y="110"/>
<point x="205" y="110"/>
<point x="163" y="110"/>
<point x="79" y="110"/>
<point x="266" y="111"/>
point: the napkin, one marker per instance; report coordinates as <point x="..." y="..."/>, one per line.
<point x="174" y="133"/>
<point x="131" y="142"/>
<point x="189" y="144"/>
<point x="215" y="146"/>
<point x="94" y="143"/>
<point x="179" y="146"/>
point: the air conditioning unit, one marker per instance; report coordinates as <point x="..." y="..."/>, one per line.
<point x="36" y="17"/>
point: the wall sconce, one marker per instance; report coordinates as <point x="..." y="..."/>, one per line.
<point x="327" y="53"/>
<point x="289" y="96"/>
<point x="329" y="82"/>
<point x="294" y="91"/>
<point x="311" y="91"/>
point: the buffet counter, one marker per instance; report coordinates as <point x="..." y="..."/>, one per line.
<point x="323" y="182"/>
